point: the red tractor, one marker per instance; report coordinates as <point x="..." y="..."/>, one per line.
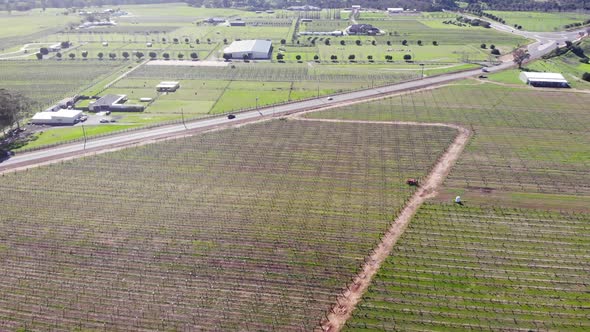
<point x="412" y="182"/>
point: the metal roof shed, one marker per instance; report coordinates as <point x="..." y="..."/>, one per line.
<point x="255" y="49"/>
<point x="555" y="80"/>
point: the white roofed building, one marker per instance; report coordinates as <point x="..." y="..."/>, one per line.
<point x="254" y="49"/>
<point x="395" y="10"/>
<point x="63" y="117"/>
<point x="551" y="80"/>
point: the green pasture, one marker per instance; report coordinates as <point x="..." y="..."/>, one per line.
<point x="25" y="23"/>
<point x="539" y="21"/>
<point x="64" y="134"/>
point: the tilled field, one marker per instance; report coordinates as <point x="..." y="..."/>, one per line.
<point x="258" y="227"/>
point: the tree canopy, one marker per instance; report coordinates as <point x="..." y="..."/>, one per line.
<point x="13" y="106"/>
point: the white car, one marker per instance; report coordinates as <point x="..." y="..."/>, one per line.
<point x="329" y="98"/>
<point x="104" y="120"/>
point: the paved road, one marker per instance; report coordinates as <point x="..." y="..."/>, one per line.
<point x="546" y="41"/>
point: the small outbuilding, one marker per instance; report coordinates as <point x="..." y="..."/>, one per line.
<point x="168" y="86"/>
<point x="61" y="117"/>
<point x="254" y="49"/>
<point x="548" y="80"/>
<point x="237" y="24"/>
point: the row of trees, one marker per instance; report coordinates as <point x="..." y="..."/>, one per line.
<point x="126" y="55"/>
<point x="422" y="5"/>
<point x="351" y="57"/>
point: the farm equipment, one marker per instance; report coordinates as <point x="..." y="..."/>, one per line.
<point x="412" y="182"/>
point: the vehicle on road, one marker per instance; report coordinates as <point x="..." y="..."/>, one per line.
<point x="485" y="70"/>
<point x="104" y="121"/>
<point x="231" y="116"/>
<point x="330" y="98"/>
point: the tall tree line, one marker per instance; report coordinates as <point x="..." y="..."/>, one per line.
<point x="424" y="5"/>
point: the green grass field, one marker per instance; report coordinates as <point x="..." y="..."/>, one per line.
<point x="58" y="135"/>
<point x="29" y="22"/>
<point x="538" y="21"/>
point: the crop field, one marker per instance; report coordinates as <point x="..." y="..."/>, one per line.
<point x="254" y="228"/>
<point x="525" y="139"/>
<point x="459" y="269"/>
<point x="538" y="21"/>
<point x="224" y="89"/>
<point x="46" y="82"/>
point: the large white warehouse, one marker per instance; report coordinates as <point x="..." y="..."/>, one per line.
<point x="553" y="80"/>
<point x="61" y="117"/>
<point x="255" y="49"/>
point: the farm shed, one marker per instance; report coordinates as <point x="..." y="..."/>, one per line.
<point x="59" y="117"/>
<point x="237" y="24"/>
<point x="395" y="10"/>
<point x="255" y="49"/>
<point x="114" y="103"/>
<point x="168" y="86"/>
<point x="551" y="80"/>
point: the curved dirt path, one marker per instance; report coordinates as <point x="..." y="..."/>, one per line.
<point x="347" y="301"/>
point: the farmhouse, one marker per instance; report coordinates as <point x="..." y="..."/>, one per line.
<point x="167" y="86"/>
<point x="63" y="117"/>
<point x="114" y="103"/>
<point x="254" y="49"/>
<point x="362" y="29"/>
<point x="550" y="80"/>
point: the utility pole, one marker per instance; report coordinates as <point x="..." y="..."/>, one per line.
<point x="85" y="139"/>
<point x="422" y="76"/>
<point x="182" y="115"/>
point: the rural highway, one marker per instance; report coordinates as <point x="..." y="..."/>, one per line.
<point x="545" y="43"/>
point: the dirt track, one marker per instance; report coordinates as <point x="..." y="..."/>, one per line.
<point x="347" y="301"/>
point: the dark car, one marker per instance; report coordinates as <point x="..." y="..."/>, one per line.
<point x="231" y="116"/>
<point x="5" y="154"/>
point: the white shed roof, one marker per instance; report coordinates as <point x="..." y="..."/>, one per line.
<point x="544" y="77"/>
<point x="63" y="113"/>
<point x="246" y="46"/>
